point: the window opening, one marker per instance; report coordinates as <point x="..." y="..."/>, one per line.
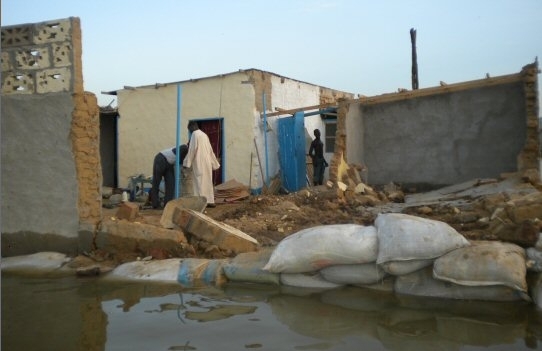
<point x="331" y="130"/>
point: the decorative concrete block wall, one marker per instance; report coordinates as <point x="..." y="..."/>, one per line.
<point x="51" y="174"/>
<point x="41" y="58"/>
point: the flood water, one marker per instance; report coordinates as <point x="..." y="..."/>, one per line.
<point x="91" y="314"/>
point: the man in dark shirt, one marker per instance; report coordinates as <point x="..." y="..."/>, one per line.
<point x="319" y="164"/>
<point x="164" y="167"/>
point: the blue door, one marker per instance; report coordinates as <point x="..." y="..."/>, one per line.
<point x="292" y="152"/>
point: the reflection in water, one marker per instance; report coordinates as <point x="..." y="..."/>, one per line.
<point x="40" y="315"/>
<point x="408" y="323"/>
<point x="218" y="312"/>
<point x="184" y="347"/>
<point x="89" y="314"/>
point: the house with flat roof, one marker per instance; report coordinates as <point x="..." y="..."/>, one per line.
<point x="231" y="109"/>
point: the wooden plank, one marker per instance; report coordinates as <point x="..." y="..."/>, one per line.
<point x="294" y="110"/>
<point x="409" y="94"/>
<point x="446" y="89"/>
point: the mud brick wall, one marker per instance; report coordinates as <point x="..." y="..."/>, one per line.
<point x="51" y="173"/>
<point x="85" y="135"/>
<point x="339" y="156"/>
<point x="528" y="159"/>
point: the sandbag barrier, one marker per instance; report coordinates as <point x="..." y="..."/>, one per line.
<point x="402" y="253"/>
<point x="421" y="257"/>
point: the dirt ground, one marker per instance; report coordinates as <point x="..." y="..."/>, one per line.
<point x="507" y="210"/>
<point x="471" y="209"/>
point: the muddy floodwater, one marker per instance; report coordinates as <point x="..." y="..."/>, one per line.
<point x="91" y="314"/>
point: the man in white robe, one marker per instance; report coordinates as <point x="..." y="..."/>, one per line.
<point x="202" y="160"/>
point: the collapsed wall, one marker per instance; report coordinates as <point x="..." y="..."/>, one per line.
<point x="51" y="173"/>
<point x="434" y="137"/>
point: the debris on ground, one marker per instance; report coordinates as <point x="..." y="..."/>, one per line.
<point x="507" y="209"/>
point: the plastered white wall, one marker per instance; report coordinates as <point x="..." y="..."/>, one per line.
<point x="290" y="94"/>
<point x="148" y="122"/>
<point x="354" y="140"/>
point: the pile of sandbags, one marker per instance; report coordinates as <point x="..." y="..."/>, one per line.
<point x="408" y="243"/>
<point x="424" y="257"/>
<point x="420" y="257"/>
<point x="302" y="258"/>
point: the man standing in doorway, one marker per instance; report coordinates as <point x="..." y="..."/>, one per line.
<point x="203" y="161"/>
<point x="319" y="164"/>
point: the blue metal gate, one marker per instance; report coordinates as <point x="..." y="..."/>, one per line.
<point x="292" y="151"/>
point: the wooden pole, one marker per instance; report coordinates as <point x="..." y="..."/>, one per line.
<point x="414" y="59"/>
<point x="260" y="163"/>
<point x="250" y="173"/>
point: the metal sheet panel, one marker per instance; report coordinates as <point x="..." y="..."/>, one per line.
<point x="292" y="152"/>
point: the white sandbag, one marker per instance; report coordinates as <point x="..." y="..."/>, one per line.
<point x="311" y="280"/>
<point x="405" y="267"/>
<point x="534" y="258"/>
<point x="197" y="272"/>
<point x="248" y="267"/>
<point x="156" y="270"/>
<point x="37" y="263"/>
<point x="363" y="273"/>
<point x="422" y="283"/>
<point x="403" y="237"/>
<point x="538" y="244"/>
<point x="314" y="248"/>
<point x="535" y="289"/>
<point x="385" y="285"/>
<point x="484" y="263"/>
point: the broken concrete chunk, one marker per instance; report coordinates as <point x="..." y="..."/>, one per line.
<point x="128" y="211"/>
<point x="132" y="237"/>
<point x="362" y="188"/>
<point x="534" y="257"/>
<point x="219" y="234"/>
<point x="196" y="203"/>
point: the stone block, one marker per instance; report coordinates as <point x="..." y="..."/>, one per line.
<point x="62" y="54"/>
<point x="53" y="80"/>
<point x="17" y="36"/>
<point x="18" y="83"/>
<point x="6" y="61"/>
<point x="128" y="211"/>
<point x="131" y="237"/>
<point x="196" y="203"/>
<point x="32" y="59"/>
<point x="523" y="213"/>
<point x="209" y="230"/>
<point x="528" y="207"/>
<point x="52" y="31"/>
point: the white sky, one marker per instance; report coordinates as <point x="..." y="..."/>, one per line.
<point x="358" y="46"/>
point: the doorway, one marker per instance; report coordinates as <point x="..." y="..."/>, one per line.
<point x="108" y="147"/>
<point x="214" y="128"/>
<point x="292" y="152"/>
